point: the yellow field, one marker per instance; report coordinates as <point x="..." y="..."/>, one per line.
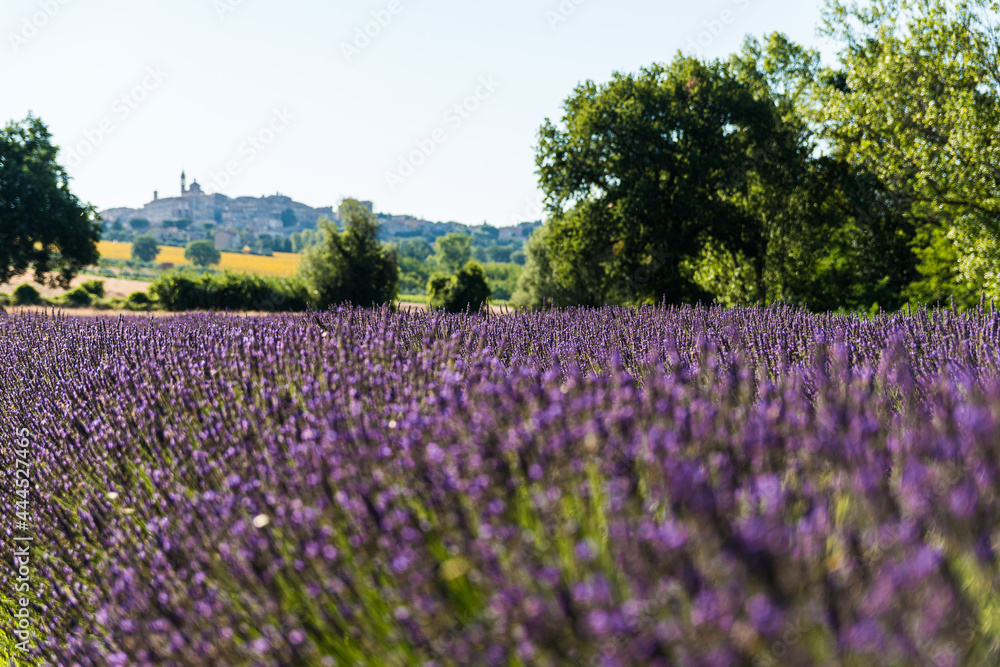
<point x="282" y="265"/>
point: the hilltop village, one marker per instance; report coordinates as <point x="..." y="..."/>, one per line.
<point x="237" y="222"/>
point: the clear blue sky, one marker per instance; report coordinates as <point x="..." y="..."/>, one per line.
<point x="135" y="91"/>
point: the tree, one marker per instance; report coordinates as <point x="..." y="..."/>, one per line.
<point x="145" y="249"/>
<point x="138" y="224"/>
<point x="202" y="253"/>
<point x="288" y="218"/>
<point x="468" y="289"/>
<point x="916" y="102"/>
<point x="452" y="251"/>
<point x="352" y="266"/>
<point x="649" y="172"/>
<point x="44" y="227"/>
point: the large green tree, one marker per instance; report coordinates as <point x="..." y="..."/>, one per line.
<point x="43" y="226"/>
<point x="649" y="173"/>
<point x="352" y="266"/>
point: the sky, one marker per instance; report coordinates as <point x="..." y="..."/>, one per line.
<point x="425" y="107"/>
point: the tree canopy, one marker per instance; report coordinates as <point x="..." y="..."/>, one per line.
<point x="765" y="177"/>
<point x="202" y="253"/>
<point x="649" y="174"/>
<point x="915" y="101"/>
<point x="43" y="226"/>
<point x="145" y="249"/>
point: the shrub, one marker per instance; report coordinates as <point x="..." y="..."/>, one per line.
<point x="466" y="290"/>
<point x="95" y="287"/>
<point x="186" y="290"/>
<point x="138" y="301"/>
<point x="26" y="295"/>
<point x="78" y="297"/>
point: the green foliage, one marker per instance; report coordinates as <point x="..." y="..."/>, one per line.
<point x="540" y="286"/>
<point x="647" y="171"/>
<point x="466" y="290"/>
<point x="419" y="249"/>
<point x="915" y="101"/>
<point x="452" y="252"/>
<point x="352" y="266"/>
<point x="305" y="239"/>
<point x="187" y="290"/>
<point x="413" y="275"/>
<point x="763" y="178"/>
<point x="202" y="253"/>
<point x="139" y="224"/>
<point x="939" y="268"/>
<point x="138" y="301"/>
<point x="502" y="279"/>
<point x="94" y="287"/>
<point x="920" y="100"/>
<point x="44" y="227"/>
<point x="26" y="295"/>
<point x="288" y="218"/>
<point x="78" y="297"/>
<point x="145" y="249"/>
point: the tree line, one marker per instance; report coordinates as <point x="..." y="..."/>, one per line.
<point x="767" y="177"/>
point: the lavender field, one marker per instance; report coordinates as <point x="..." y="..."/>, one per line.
<point x="652" y="486"/>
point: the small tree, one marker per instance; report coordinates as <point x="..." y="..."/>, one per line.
<point x="95" y="287"/>
<point x="467" y="289"/>
<point x="288" y="218"/>
<point x="139" y="224"/>
<point x="350" y="266"/>
<point x="202" y="253"/>
<point x="145" y="249"/>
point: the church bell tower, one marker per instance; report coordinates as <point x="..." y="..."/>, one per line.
<point x="183" y="182"/>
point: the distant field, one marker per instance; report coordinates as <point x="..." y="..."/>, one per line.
<point x="282" y="264"/>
